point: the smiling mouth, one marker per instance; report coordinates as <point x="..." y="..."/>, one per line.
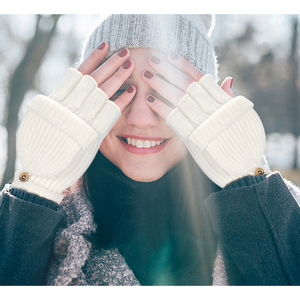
<point x="142" y="143"/>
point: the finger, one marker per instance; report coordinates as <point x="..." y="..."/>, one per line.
<point x="165" y="89"/>
<point x="111" y="85"/>
<point x="184" y="66"/>
<point x="125" y="98"/>
<point x="227" y="85"/>
<point x="159" y="107"/>
<point x="108" y="68"/>
<point x="94" y="59"/>
<point x="172" y="74"/>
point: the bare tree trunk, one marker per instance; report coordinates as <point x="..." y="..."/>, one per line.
<point x="20" y="82"/>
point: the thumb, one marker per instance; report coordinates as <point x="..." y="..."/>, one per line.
<point x="226" y="86"/>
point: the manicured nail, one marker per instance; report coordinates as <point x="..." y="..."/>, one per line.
<point x="130" y="89"/>
<point x="127" y="64"/>
<point x="148" y="74"/>
<point x="173" y="55"/>
<point x="150" y="99"/>
<point x="231" y="82"/>
<point x="122" y="52"/>
<point x="155" y="60"/>
<point x="101" y="46"/>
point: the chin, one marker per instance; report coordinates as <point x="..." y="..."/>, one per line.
<point x="144" y="175"/>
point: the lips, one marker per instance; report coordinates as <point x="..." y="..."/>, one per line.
<point x="143" y="145"/>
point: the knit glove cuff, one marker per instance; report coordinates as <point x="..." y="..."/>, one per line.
<point x="61" y="134"/>
<point x="224" y="135"/>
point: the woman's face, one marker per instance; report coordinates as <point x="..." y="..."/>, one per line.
<point x="140" y="143"/>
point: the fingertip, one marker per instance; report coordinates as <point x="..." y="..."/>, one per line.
<point x="127" y="64"/>
<point x="130" y="93"/>
<point x="90" y="64"/>
<point x="227" y="86"/>
<point x="124" y="52"/>
<point x="150" y="99"/>
<point x="173" y="56"/>
<point x="184" y="66"/>
<point x="131" y="66"/>
<point x="102" y="46"/>
<point x="126" y="97"/>
<point x="158" y="107"/>
<point x="147" y="74"/>
<point x="131" y="89"/>
<point x="229" y="81"/>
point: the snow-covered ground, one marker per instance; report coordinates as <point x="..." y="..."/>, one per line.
<point x="279" y="151"/>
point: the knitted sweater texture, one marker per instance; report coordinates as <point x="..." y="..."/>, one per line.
<point x="75" y="262"/>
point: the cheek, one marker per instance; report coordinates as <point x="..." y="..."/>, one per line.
<point x="110" y="146"/>
<point x="178" y="152"/>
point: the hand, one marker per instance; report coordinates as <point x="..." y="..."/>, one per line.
<point x="111" y="75"/>
<point x="181" y="74"/>
<point x="223" y="134"/>
<point x="61" y="134"/>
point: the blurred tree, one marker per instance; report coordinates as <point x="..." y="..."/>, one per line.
<point x="292" y="92"/>
<point x="258" y="65"/>
<point x="261" y="53"/>
<point x="21" y="80"/>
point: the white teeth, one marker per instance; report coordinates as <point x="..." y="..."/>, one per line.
<point x="139" y="144"/>
<point x="143" y="143"/>
<point x="146" y="144"/>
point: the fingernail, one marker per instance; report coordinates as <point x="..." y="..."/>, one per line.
<point x="130" y="89"/>
<point x="173" y="55"/>
<point x="231" y="82"/>
<point x="101" y="46"/>
<point x="148" y="74"/>
<point x="122" y="52"/>
<point x="150" y="99"/>
<point x="155" y="60"/>
<point x="127" y="64"/>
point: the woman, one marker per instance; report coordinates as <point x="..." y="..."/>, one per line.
<point x="135" y="213"/>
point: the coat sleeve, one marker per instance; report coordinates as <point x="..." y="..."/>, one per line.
<point x="27" y="227"/>
<point x="257" y="221"/>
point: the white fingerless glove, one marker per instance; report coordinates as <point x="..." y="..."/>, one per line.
<point x="61" y="134"/>
<point x="224" y="135"/>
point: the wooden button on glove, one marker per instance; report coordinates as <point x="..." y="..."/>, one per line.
<point x="60" y="135"/>
<point x="24" y="177"/>
<point x="224" y="135"/>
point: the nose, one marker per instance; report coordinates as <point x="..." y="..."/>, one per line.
<point x="139" y="114"/>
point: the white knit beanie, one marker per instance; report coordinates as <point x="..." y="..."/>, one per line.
<point x="186" y="35"/>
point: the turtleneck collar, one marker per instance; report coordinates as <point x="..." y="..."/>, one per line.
<point x="141" y="187"/>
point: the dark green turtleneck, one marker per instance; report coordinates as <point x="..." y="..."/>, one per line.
<point x="165" y="233"/>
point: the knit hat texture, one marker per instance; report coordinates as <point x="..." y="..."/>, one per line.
<point x="187" y="35"/>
